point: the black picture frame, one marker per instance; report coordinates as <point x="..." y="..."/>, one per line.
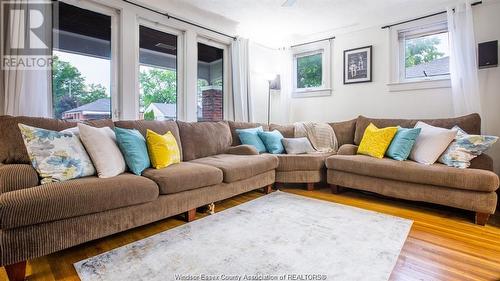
<point x="365" y="53"/>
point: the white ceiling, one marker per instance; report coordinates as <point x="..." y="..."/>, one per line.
<point x="267" y="22"/>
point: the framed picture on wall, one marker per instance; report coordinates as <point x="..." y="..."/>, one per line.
<point x="358" y="65"/>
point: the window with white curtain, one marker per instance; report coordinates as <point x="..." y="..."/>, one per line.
<point x="424" y="52"/>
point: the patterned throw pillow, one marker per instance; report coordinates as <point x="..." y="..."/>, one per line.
<point x="375" y="141"/>
<point x="464" y="148"/>
<point x="56" y="156"/>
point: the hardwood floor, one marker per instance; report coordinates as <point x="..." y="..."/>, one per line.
<point x="443" y="244"/>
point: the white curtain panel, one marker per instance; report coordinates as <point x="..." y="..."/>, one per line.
<point x="286" y="68"/>
<point x="25" y="92"/>
<point x="240" y="80"/>
<point x="463" y="60"/>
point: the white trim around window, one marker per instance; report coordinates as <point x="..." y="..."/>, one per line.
<point x="398" y="81"/>
<point x="323" y="48"/>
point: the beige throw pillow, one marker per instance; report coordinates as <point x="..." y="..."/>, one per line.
<point x="103" y="150"/>
<point x="431" y="143"/>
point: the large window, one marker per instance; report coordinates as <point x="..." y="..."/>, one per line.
<point x="81" y="74"/>
<point x="424" y="52"/>
<point x="210" y="83"/>
<point x="157" y="74"/>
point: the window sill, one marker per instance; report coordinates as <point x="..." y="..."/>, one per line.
<point x="419" y="85"/>
<point x="312" y="93"/>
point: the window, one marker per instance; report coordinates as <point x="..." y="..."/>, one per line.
<point x="210" y="83"/>
<point x="157" y="74"/>
<point x="311" y="69"/>
<point x="81" y="74"/>
<point x="424" y="52"/>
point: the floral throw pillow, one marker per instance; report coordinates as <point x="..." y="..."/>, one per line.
<point x="464" y="148"/>
<point x="56" y="156"/>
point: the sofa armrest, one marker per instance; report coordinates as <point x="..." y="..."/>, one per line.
<point x="17" y="176"/>
<point x="348" y="149"/>
<point x="243" y="149"/>
<point x="483" y="162"/>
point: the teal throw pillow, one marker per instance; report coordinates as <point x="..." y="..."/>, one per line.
<point x="133" y="147"/>
<point x="402" y="143"/>
<point x="272" y="141"/>
<point x="251" y="137"/>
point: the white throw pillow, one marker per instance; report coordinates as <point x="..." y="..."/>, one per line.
<point x="431" y="143"/>
<point x="103" y="150"/>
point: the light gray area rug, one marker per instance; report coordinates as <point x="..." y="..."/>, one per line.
<point x="279" y="236"/>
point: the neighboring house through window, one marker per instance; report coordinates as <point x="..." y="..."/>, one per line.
<point x="420" y="53"/>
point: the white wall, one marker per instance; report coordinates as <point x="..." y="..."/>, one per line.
<point x="374" y="99"/>
<point x="263" y="61"/>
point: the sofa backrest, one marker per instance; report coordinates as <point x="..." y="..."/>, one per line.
<point x="243" y="125"/>
<point x="160" y="127"/>
<point x="12" y="149"/>
<point x="288" y="130"/>
<point x="344" y="131"/>
<point x="470" y="123"/>
<point x="202" y="139"/>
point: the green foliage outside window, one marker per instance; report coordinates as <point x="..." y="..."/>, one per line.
<point x="157" y="86"/>
<point x="69" y="89"/>
<point x="422" y="50"/>
<point x="309" y="71"/>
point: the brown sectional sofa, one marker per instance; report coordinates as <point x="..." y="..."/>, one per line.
<point x="36" y="220"/>
<point x="470" y="189"/>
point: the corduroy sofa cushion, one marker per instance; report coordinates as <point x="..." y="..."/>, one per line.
<point x="159" y="127"/>
<point x="243" y="125"/>
<point x="12" y="149"/>
<point x="17" y="176"/>
<point x="239" y="167"/>
<point x="302" y="162"/>
<point x="60" y="200"/>
<point x="183" y="176"/>
<point x="288" y="131"/>
<point x="409" y="171"/>
<point x="470" y="123"/>
<point x="202" y="139"/>
<point x="344" y="131"/>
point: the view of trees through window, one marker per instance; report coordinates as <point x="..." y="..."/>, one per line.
<point x="157" y="86"/>
<point x="427" y="56"/>
<point x="309" y="71"/>
<point x="70" y="90"/>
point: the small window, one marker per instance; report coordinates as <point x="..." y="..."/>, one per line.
<point x="310" y="71"/>
<point x="81" y="70"/>
<point x="424" y="52"/>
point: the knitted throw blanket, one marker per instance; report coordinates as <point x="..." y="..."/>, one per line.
<point x="321" y="135"/>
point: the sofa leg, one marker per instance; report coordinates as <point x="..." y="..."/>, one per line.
<point x="190" y="215"/>
<point x="335" y="188"/>
<point x="310" y="186"/>
<point x="17" y="271"/>
<point x="482" y="218"/>
<point x="267" y="189"/>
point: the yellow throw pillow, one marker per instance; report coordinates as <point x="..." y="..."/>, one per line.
<point x="162" y="149"/>
<point x="376" y="141"/>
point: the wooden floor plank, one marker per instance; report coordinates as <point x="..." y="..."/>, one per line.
<point x="443" y="243"/>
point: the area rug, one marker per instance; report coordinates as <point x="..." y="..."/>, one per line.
<point x="279" y="236"/>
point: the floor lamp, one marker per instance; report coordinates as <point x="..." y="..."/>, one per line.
<point x="274" y="84"/>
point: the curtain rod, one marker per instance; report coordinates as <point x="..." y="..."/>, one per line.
<point x="179" y="19"/>
<point x="315" y="41"/>
<point x="424" y="17"/>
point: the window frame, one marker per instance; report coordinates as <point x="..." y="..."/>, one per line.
<point x="179" y="63"/>
<point x="114" y="64"/>
<point x="419" y="28"/>
<point x="323" y="48"/>
<point x="226" y="95"/>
